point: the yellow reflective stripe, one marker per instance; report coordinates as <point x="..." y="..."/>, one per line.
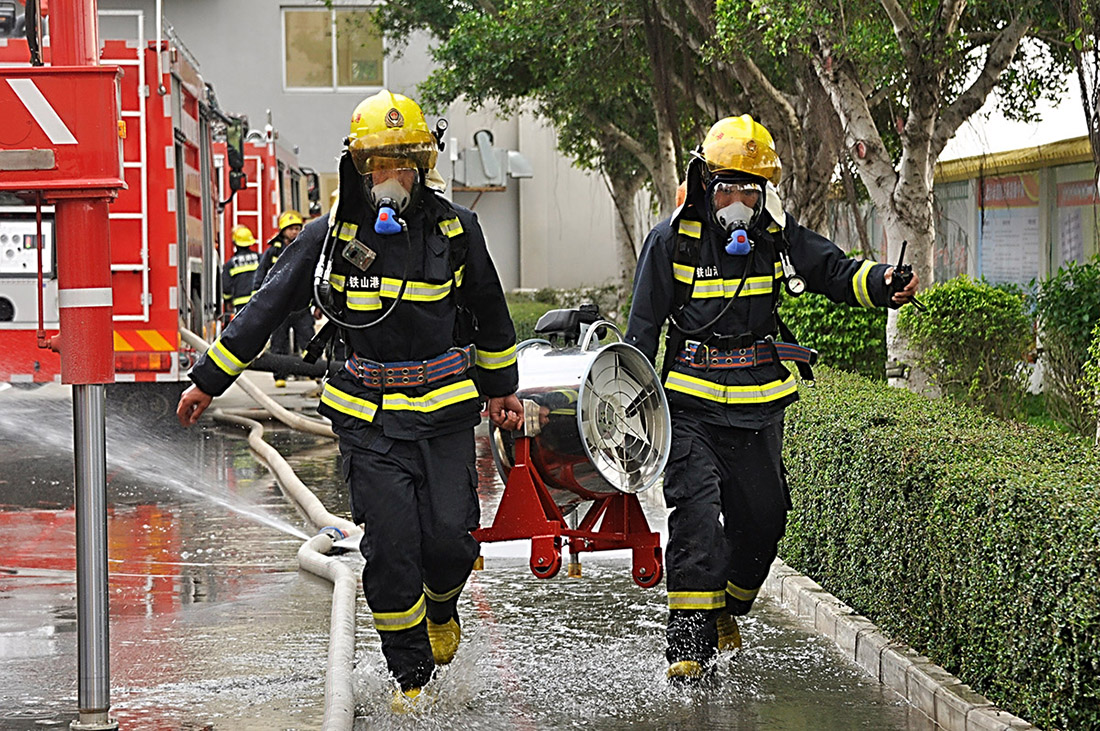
<point x="337" y="281"/>
<point x="451" y="227"/>
<point x="460" y="274"/>
<point x="683" y="273"/>
<point x="779" y="270"/>
<point x="859" y="284"/>
<point x="696" y="599"/>
<point x="709" y="288"/>
<point x="446" y="596"/>
<point x="345" y="403"/>
<point x="244" y="298"/>
<point x="744" y="595"/>
<point x="371" y="299"/>
<point x="225" y="296"/>
<point x="499" y="359"/>
<point x="243" y="268"/>
<point x="364" y="300"/>
<point x="433" y="400"/>
<point x="225" y="360"/>
<point x="347" y="231"/>
<point x="393" y="621"/>
<point x="694" y="229"/>
<point x="711" y="391"/>
<point x="415" y="291"/>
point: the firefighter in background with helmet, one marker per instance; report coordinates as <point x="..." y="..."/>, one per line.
<point x="299" y="325"/>
<point x="239" y="271"/>
<point x="714" y="270"/>
<point x="407" y="277"/>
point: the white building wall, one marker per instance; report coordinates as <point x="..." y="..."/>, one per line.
<point x="553" y="230"/>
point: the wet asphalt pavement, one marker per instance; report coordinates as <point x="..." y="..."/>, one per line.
<point x="214" y="627"/>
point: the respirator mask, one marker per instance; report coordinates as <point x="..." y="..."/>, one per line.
<point x="389" y="198"/>
<point x="735" y="207"/>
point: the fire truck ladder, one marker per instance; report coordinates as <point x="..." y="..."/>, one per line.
<point x="249" y="214"/>
<point x="140" y="164"/>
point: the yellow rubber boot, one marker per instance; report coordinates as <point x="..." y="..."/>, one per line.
<point x="409" y="701"/>
<point x="729" y="636"/>
<point x="444" y="639"/>
<point x="685" y="670"/>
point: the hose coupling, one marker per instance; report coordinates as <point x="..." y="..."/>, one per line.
<point x="332" y="531"/>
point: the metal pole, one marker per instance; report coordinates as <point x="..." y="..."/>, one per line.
<point x="92" y="611"/>
<point x="86" y="341"/>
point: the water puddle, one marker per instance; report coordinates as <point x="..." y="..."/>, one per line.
<point x="214" y="627"/>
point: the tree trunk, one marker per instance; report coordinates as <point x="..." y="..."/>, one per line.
<point x="624" y="194"/>
<point x="901" y="223"/>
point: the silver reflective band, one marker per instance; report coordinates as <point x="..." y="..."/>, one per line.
<point x="86" y="297"/>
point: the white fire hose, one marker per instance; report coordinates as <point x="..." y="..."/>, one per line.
<point x="339" y="694"/>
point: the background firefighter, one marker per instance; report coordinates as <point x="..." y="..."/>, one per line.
<point x="240" y="271"/>
<point x="714" y="270"/>
<point x="408" y="279"/>
<point x="294" y="334"/>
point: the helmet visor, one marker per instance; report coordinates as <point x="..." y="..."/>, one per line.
<point x="735" y="203"/>
<point x="369" y="158"/>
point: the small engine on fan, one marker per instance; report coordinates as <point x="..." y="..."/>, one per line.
<point x="596" y="432"/>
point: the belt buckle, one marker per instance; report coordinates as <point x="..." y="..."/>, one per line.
<point x="467" y="355"/>
<point x="705" y="350"/>
<point x="370" y="372"/>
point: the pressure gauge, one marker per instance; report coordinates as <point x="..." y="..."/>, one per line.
<point x="796" y="285"/>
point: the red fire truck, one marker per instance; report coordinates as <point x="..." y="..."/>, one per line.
<point x="274" y="183"/>
<point x="182" y="158"/>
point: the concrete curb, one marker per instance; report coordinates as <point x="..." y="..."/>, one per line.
<point x="933" y="691"/>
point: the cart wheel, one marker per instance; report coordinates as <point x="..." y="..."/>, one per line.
<point x="548" y="569"/>
<point x="648" y="570"/>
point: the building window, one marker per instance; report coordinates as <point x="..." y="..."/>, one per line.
<point x="332" y="49"/>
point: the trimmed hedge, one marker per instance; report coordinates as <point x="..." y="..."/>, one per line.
<point x="973" y="540"/>
<point x="850" y="338"/>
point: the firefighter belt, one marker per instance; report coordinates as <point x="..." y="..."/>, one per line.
<point x="705" y="357"/>
<point x="411" y="373"/>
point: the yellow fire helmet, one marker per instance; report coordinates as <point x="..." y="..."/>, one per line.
<point x="741" y="144"/>
<point x="389" y="131"/>
<point x="242" y="236"/>
<point x="289" y="218"/>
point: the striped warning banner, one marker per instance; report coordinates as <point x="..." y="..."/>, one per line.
<point x="146" y="340"/>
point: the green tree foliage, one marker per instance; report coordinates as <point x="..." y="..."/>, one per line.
<point x="849" y="338"/>
<point x="629" y="85"/>
<point x="1068" y="305"/>
<point x="973" y="340"/>
<point x="902" y="76"/>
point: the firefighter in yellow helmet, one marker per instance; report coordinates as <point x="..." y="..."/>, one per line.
<point x="714" y="272"/>
<point x="239" y="270"/>
<point x="297" y="330"/>
<point x="405" y="277"/>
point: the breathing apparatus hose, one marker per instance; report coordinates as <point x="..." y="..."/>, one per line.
<point x="324" y="266"/>
<point x="720" y="315"/>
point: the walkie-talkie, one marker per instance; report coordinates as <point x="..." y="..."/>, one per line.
<point x="903" y="274"/>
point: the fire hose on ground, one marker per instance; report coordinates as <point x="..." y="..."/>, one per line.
<point x="339" y="712"/>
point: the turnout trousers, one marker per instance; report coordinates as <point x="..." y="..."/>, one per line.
<point x="300" y="323"/>
<point x="729" y="499"/>
<point x="418" y="503"/>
